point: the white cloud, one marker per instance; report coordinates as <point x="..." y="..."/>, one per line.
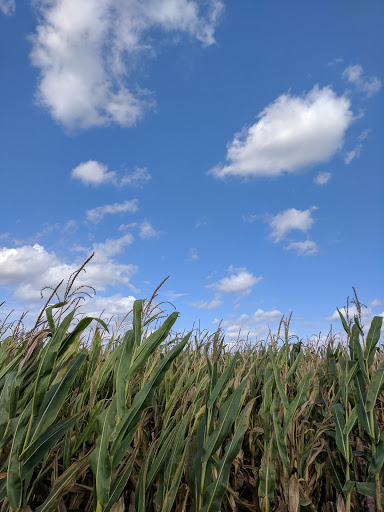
<point x="250" y="219"/>
<point x="147" y="231"/>
<point x="213" y="304"/>
<point x="113" y="246"/>
<point x="8" y="7"/>
<point x="322" y="178"/>
<point x="291" y="133"/>
<point x="367" y="315"/>
<point x="193" y="254"/>
<point x="98" y="213"/>
<point x="289" y="220"/>
<point x="254" y="326"/>
<point x="356" y="151"/>
<point x="93" y="173"/>
<point x="86" y="52"/>
<point x="303" y="248"/>
<point x="137" y="178"/>
<point x="239" y="281"/>
<point x="112" y="306"/>
<point x="335" y="61"/>
<point x="28" y="268"/>
<point x="368" y="84"/>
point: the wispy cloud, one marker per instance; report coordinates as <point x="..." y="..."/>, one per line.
<point x="147" y="231"/>
<point x="370" y="85"/>
<point x="137" y="178"/>
<point x="94" y="54"/>
<point x="96" y="173"/>
<point x="292" y="132"/>
<point x="213" y="304"/>
<point x="192" y="254"/>
<point x="322" y="178"/>
<point x="303" y="248"/>
<point x="8" y="7"/>
<point x="356" y="151"/>
<point x="98" y="213"/>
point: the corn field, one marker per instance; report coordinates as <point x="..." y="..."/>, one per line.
<point x="148" y="421"/>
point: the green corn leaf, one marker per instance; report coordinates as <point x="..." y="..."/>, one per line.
<point x="40" y="448"/>
<point x="362" y="414"/>
<point x="366" y="488"/>
<point x="279" y="437"/>
<point x="137" y="311"/>
<point x="227" y="416"/>
<point x="100" y="459"/>
<point x="343" y="321"/>
<point x="374" y="388"/>
<point x="267" y="474"/>
<point x="300" y="398"/>
<point x="121" y="369"/>
<point x="47" y="362"/>
<point x="80" y="327"/>
<point x="7" y="401"/>
<point x="222" y="381"/>
<point x="141" y="401"/>
<point x="63" y="484"/>
<point x="378" y="458"/>
<point x="148" y="347"/>
<point x="170" y="496"/>
<point x="293" y="368"/>
<point x="276" y="373"/>
<point x="158" y="461"/>
<point x="342" y="441"/>
<point x="55" y="397"/>
<point x="14" y="480"/>
<point x="11" y="365"/>
<point x="49" y="315"/>
<point x="214" y="492"/>
<point x="350" y="422"/>
<point x="176" y="451"/>
<point x="373" y="337"/>
<point x="355" y="343"/>
<point x="352" y="372"/>
<point x="348" y="487"/>
<point x="121" y="482"/>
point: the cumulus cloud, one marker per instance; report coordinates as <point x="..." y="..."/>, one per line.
<point x="8" y="7"/>
<point x="93" y="173"/>
<point x="290" y="220"/>
<point x="28" y="268"/>
<point x="213" y="304"/>
<point x="96" y="173"/>
<point x="370" y="85"/>
<point x="322" y="178"/>
<point x="98" y="213"/>
<point x="303" y="248"/>
<point x="367" y="315"/>
<point x="86" y="52"/>
<point x="112" y="306"/>
<point x="240" y="281"/>
<point x="291" y="133"/>
<point x="255" y="326"/>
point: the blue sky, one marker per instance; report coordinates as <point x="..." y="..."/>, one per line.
<point x="235" y="146"/>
